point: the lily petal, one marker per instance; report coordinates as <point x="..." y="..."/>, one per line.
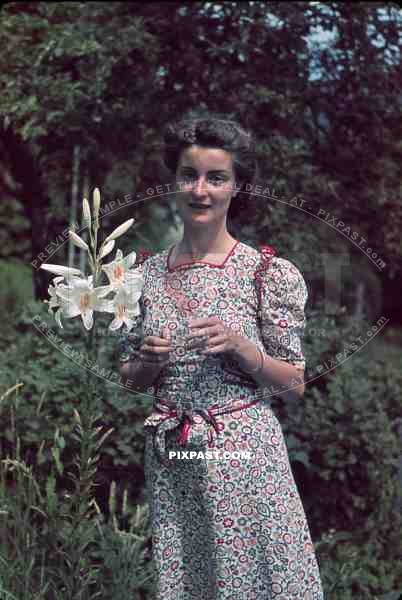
<point x="105" y="306"/>
<point x="134" y="283"/>
<point x="107" y="248"/>
<point x="102" y="291"/>
<point x="130" y="259"/>
<point x="82" y="284"/>
<point x="129" y="323"/>
<point x="88" y="319"/>
<point x="57" y="280"/>
<point x="71" y="310"/>
<point x="115" y="324"/>
<point x="61" y="270"/>
<point x="66" y="294"/>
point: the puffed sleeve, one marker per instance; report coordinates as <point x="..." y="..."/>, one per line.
<point x="128" y="343"/>
<point x="282" y="318"/>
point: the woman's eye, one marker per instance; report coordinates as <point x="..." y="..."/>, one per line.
<point x="214" y="179"/>
<point x="217" y="180"/>
<point x="187" y="177"/>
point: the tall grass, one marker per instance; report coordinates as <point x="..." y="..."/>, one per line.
<point x="55" y="542"/>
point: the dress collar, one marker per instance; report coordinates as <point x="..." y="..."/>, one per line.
<point x="199" y="262"/>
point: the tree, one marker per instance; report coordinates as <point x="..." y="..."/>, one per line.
<point x="326" y="117"/>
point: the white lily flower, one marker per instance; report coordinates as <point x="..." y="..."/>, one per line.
<point x="125" y="304"/>
<point x="120" y="230"/>
<point x="107" y="248"/>
<point x="54" y="300"/>
<point x="118" y="270"/>
<point x="81" y="298"/>
<point x="66" y="272"/>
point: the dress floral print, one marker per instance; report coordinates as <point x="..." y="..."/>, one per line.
<point x="223" y="528"/>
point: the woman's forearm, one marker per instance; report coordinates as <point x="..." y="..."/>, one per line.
<point x="138" y="376"/>
<point x="282" y="378"/>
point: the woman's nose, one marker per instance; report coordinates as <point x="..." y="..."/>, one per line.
<point x="200" y="186"/>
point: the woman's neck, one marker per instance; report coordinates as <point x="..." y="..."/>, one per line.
<point x="200" y="243"/>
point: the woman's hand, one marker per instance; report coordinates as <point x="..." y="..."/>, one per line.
<point x="154" y="351"/>
<point x="214" y="335"/>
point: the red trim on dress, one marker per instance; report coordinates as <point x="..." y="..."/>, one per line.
<point x="184" y="421"/>
<point x="267" y="253"/>
<point x="220" y="266"/>
<point x="142" y="255"/>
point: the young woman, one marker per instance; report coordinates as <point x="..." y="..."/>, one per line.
<point x="219" y="332"/>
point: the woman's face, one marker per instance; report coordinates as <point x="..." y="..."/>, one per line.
<point x="204" y="178"/>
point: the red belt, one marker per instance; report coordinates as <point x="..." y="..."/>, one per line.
<point x="183" y="418"/>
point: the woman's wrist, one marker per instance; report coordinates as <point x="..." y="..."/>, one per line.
<point x="260" y="364"/>
<point x="249" y="357"/>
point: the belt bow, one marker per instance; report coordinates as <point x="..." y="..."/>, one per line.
<point x="173" y="419"/>
<point x="180" y="416"/>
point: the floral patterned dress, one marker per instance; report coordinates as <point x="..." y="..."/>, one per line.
<point x="229" y="528"/>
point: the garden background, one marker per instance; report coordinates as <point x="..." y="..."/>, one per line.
<point x="86" y="91"/>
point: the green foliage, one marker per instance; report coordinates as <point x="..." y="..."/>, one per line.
<point x="54" y="385"/>
<point x="345" y="446"/>
<point x="16" y="287"/>
<point x="14" y="230"/>
<point x="351" y="571"/>
<point x="55" y="543"/>
<point x="125" y="565"/>
<point x="73" y="53"/>
<point x="68" y="79"/>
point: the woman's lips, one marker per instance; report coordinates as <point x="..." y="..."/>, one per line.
<point x="199" y="206"/>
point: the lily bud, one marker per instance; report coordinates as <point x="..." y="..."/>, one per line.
<point x="77" y="240"/>
<point x="120" y="230"/>
<point x="107" y="248"/>
<point x="86" y="211"/>
<point x="96" y="198"/>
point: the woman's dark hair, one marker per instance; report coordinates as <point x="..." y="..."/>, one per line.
<point x="212" y="131"/>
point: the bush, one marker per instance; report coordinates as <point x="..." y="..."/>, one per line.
<point x="16" y="287"/>
<point x="350" y="571"/>
<point x="345" y="446"/>
<point x="55" y="543"/>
